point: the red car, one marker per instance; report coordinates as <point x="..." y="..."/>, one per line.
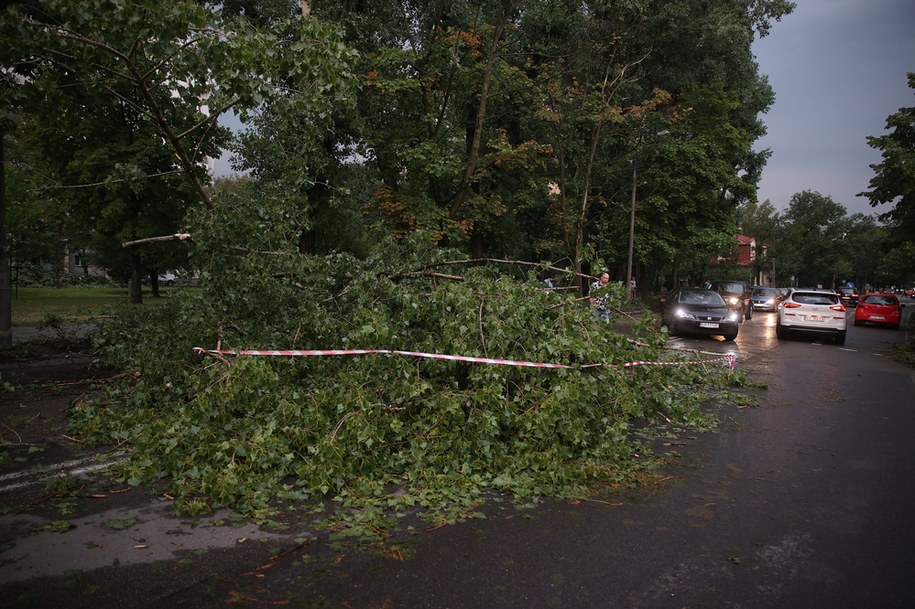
<point x="879" y="309"/>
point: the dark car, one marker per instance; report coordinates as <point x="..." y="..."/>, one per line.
<point x="766" y="298"/>
<point x="849" y="296"/>
<point x="699" y="311"/>
<point x="737" y="295"/>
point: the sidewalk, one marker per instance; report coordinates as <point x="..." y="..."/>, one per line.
<point x="31" y="334"/>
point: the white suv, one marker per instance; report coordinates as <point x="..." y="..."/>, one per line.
<point x="814" y="311"/>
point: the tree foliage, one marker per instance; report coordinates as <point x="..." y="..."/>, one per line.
<point x="403" y="431"/>
<point x="894" y="183"/>
<point x="811" y="240"/>
<point x="130" y="81"/>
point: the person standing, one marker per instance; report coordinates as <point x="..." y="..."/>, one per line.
<point x="600" y="303"/>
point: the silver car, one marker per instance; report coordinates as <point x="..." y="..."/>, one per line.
<point x="766" y="298"/>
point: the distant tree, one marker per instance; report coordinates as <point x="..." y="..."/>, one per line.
<point x="811" y="239"/>
<point x="760" y="221"/>
<point x="36" y="221"/>
<point x="93" y="161"/>
<point x="865" y="245"/>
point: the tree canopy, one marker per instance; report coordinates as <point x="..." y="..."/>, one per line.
<point x="121" y="83"/>
<point x="894" y="183"/>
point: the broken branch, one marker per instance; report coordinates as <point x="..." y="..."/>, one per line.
<point x="175" y="237"/>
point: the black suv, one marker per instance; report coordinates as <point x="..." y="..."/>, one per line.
<point x="849" y="296"/>
<point x="737" y="295"/>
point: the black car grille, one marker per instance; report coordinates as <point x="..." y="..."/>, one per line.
<point x="707" y="317"/>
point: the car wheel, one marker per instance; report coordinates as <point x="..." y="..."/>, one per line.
<point x="896" y="326"/>
<point x="780" y="332"/>
<point x="840" y="338"/>
<point x="730" y="336"/>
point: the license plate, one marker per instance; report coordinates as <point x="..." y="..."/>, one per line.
<point x="707" y="325"/>
<point x="877" y="317"/>
<point x="813" y="318"/>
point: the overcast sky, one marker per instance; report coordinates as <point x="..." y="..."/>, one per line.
<point x="838" y="68"/>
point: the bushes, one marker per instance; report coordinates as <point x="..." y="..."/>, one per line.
<point x="27" y="275"/>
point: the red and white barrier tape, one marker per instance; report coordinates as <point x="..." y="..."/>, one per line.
<point x="729" y="358"/>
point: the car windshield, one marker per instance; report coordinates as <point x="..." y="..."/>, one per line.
<point x="701" y="297"/>
<point x="735" y="288"/>
<point x="813" y="298"/>
<point x="880" y="300"/>
<point x="847" y="290"/>
<point x="765" y="292"/>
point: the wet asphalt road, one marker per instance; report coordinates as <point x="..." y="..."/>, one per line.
<point x="806" y="501"/>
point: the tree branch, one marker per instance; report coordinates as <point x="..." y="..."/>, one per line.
<point x="394" y="276"/>
<point x="501" y="261"/>
<point x="175" y="237"/>
<point x="106" y="182"/>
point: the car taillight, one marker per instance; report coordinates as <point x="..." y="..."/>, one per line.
<point x="838" y="307"/>
<point x="791" y="305"/>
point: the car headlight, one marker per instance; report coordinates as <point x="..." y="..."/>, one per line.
<point x="770" y="302"/>
<point x="733" y="316"/>
<point x="682" y="314"/>
<point x="733" y="300"/>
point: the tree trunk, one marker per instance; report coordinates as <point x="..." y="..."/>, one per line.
<point x="135" y="290"/>
<point x="307" y="241"/>
<point x="585" y="202"/>
<point x="154" y="283"/>
<point x="6" y="294"/>
<point x="476" y="243"/>
<point x="474" y="152"/>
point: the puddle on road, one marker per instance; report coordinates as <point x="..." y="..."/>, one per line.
<point x="146" y="534"/>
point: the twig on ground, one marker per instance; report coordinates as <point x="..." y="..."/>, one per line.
<point x="598" y="501"/>
<point x="16" y="433"/>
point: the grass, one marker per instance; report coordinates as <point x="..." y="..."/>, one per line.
<point x="31" y="305"/>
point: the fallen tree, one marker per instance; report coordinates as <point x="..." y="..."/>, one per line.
<point x="381" y="429"/>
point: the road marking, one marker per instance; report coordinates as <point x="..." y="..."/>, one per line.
<point x="76" y="467"/>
